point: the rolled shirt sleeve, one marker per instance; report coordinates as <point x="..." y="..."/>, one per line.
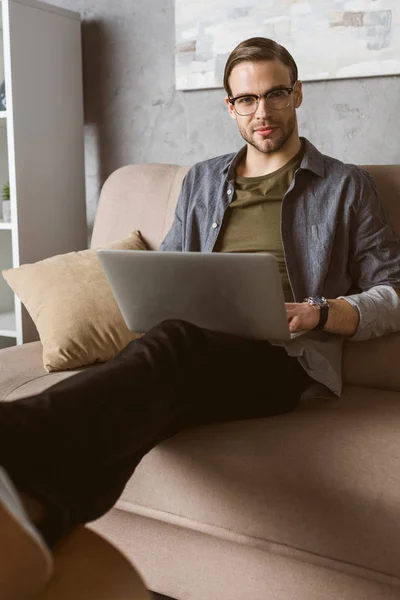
<point x="379" y="310"/>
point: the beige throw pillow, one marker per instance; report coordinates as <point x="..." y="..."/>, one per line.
<point x="72" y="306"/>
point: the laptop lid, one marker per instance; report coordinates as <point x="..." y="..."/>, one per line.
<point x="237" y="293"/>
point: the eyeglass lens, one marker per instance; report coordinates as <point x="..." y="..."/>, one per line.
<point x="246" y="105"/>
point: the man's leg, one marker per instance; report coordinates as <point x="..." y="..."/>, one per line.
<point x="74" y="446"/>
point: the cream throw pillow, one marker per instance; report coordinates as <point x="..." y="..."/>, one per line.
<point x="72" y="306"/>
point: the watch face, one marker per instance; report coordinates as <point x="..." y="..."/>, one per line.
<point x="318" y="300"/>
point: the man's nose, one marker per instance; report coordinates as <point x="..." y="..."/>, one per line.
<point x="263" y="110"/>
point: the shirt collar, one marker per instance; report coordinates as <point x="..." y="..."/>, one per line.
<point x="312" y="161"/>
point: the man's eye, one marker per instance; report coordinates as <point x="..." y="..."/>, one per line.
<point x="245" y="100"/>
<point x="277" y="94"/>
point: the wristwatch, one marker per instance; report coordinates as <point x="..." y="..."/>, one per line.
<point x="323" y="306"/>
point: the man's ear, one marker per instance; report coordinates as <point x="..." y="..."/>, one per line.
<point x="231" y="110"/>
<point x="298" y="94"/>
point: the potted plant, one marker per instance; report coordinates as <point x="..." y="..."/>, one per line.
<point x="6" y="202"/>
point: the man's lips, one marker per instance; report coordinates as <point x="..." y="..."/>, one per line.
<point x="265" y="130"/>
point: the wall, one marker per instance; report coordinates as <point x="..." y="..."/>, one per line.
<point x="134" y="114"/>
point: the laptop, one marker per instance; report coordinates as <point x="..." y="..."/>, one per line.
<point x="237" y="293"/>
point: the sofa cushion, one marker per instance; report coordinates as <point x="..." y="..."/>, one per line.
<point x="22" y="372"/>
<point x="73" y="307"/>
<point x="323" y="482"/>
<point x="387" y="181"/>
<point x="145" y="195"/>
<point x="368" y="363"/>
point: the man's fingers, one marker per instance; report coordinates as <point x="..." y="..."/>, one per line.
<point x="294" y="323"/>
<point x="291" y="305"/>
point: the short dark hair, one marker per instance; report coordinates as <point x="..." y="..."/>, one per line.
<point x="258" y="49"/>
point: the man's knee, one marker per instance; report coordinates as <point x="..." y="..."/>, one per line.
<point x="167" y="331"/>
<point x="175" y="326"/>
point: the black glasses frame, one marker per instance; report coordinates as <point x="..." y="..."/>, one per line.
<point x="266" y="96"/>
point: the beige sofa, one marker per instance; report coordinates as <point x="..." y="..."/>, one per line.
<point x="300" y="507"/>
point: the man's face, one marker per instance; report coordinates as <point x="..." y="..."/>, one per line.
<point x="267" y="129"/>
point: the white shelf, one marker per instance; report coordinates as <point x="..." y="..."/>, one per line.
<point x="41" y="53"/>
<point x="7" y="324"/>
<point x="50" y="8"/>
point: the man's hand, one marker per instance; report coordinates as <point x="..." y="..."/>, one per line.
<point x="342" y="317"/>
<point x="301" y="316"/>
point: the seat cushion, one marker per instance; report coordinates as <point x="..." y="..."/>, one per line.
<point x="22" y="372"/>
<point x="322" y="483"/>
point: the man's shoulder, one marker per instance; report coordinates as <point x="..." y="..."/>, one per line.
<point x="212" y="166"/>
<point x="331" y="168"/>
<point x="347" y="171"/>
<point x="350" y="181"/>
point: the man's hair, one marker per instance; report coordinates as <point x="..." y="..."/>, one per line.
<point x="258" y="49"/>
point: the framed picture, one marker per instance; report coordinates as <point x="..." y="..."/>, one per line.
<point x="329" y="39"/>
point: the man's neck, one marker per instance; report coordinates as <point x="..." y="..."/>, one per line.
<point x="256" y="163"/>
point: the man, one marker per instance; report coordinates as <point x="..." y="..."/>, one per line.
<point x="70" y="450"/>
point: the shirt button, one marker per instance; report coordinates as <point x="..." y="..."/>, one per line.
<point x="229" y="192"/>
<point x="214" y="225"/>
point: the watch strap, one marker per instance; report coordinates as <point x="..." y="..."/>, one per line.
<point x="323" y="306"/>
<point x="323" y="317"/>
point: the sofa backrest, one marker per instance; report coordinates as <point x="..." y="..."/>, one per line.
<point x="387" y="179"/>
<point x="144" y="197"/>
<point x="138" y="197"/>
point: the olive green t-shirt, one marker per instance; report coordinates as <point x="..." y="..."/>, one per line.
<point x="252" y="221"/>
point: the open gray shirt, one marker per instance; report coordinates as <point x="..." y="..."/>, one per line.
<point x="335" y="236"/>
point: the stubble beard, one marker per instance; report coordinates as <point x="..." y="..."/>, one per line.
<point x="273" y="145"/>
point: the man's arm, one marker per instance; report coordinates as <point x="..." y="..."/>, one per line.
<point x="374" y="265"/>
<point x="343" y="318"/>
<point x="380" y="314"/>
<point x="173" y="241"/>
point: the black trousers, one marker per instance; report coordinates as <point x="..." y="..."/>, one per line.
<point x="74" y="446"/>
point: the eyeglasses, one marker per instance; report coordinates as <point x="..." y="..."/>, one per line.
<point x="247" y="104"/>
